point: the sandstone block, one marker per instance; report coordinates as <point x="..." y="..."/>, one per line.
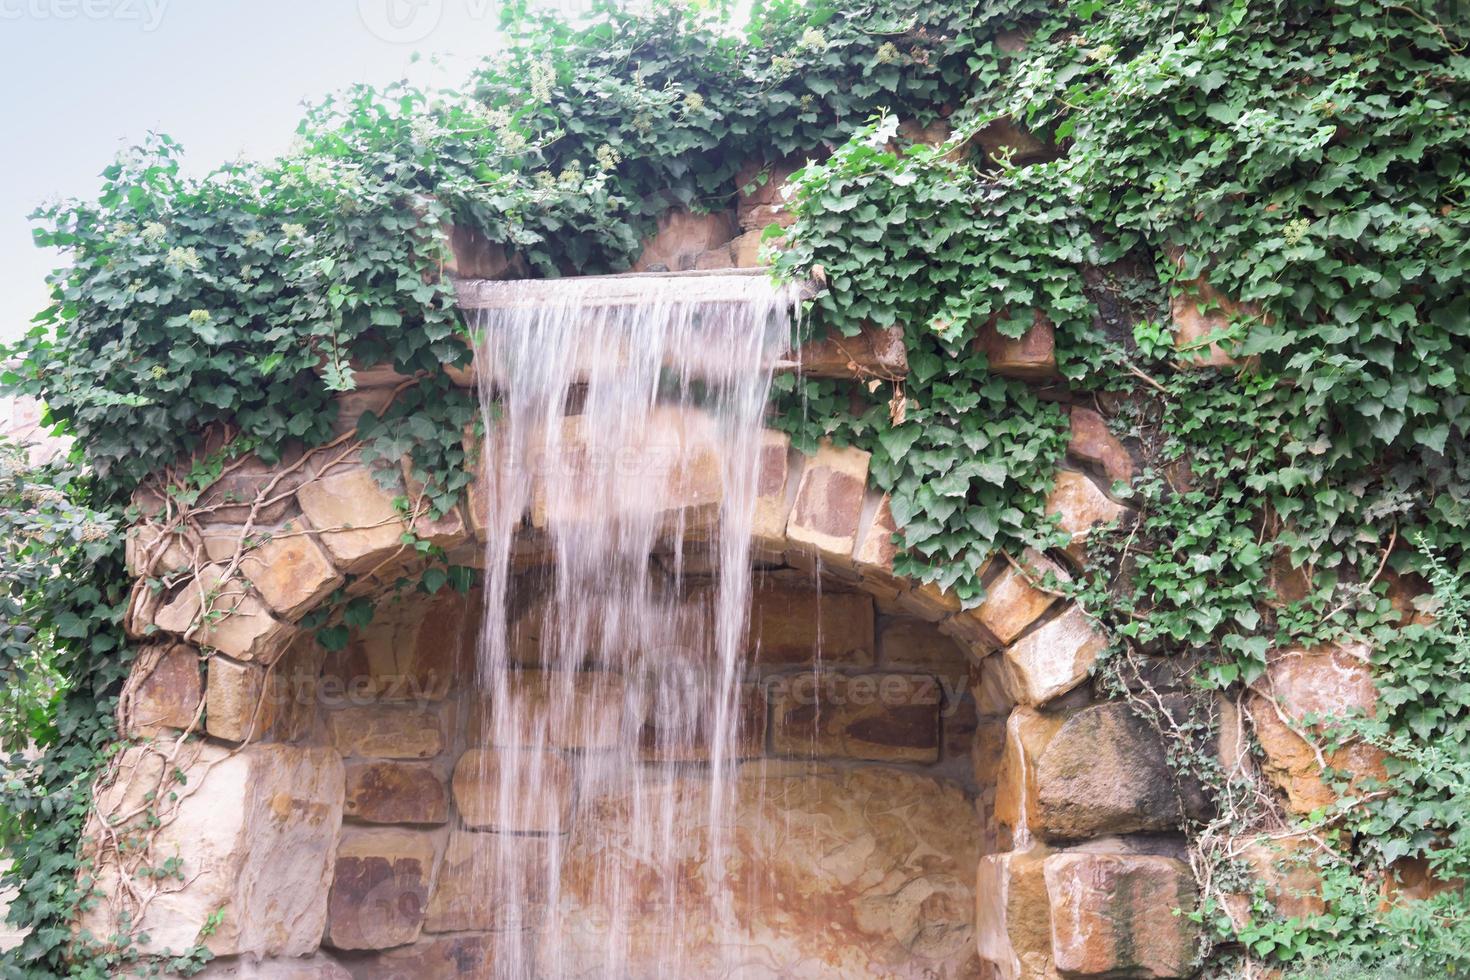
<point x="829" y="503"/>
<point x="564" y="709"/>
<point x="290" y="571"/>
<point x="254" y="830"/>
<point x="772" y="502"/>
<point x="1105" y="771"/>
<point x="788" y="627"/>
<point x="357" y="520"/>
<point x="1054" y="658"/>
<point x="225" y="616"/>
<point x="446" y="958"/>
<point x="1094" y="442"/>
<point x="882" y="717"/>
<point x="1082" y="507"/>
<point x="318" y="967"/>
<point x="876" y="352"/>
<point x="914" y="644"/>
<point x="164" y="690"/>
<point x="380" y="888"/>
<point x="1017" y="803"/>
<point x="1201" y="311"/>
<point x="238" y="703"/>
<point x="1320" y="683"/>
<point x="491" y="882"/>
<point x="1115" y="915"/>
<point x="417" y="648"/>
<point x="1286" y="871"/>
<point x="990" y="685"/>
<point x="387" y="732"/>
<point x="151" y="551"/>
<point x="1019" y="597"/>
<point x="1012" y="915"/>
<point x="681" y="237"/>
<point x="682" y="733"/>
<point x="541" y="785"/>
<point x="231" y="498"/>
<point x="396" y="792"/>
<point x="1030" y="357"/>
<point x="876" y="548"/>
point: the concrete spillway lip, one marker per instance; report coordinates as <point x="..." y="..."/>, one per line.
<point x="623" y="289"/>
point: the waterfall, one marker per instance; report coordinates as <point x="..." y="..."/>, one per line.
<point x="623" y="424"/>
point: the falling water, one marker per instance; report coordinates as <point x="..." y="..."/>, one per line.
<point x="623" y="422"/>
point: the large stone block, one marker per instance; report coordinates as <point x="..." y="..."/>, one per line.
<point x="1313" y="685"/>
<point x="773" y="496"/>
<point x="907" y="644"/>
<point x="356" y="518"/>
<point x="290" y="571"/>
<point x="882" y="717"/>
<point x="828" y="510"/>
<point x="1285" y="871"/>
<point x="1106" y="771"/>
<point x="1093" y="442"/>
<point x="1017" y="803"/>
<point x="683" y="732"/>
<point x="238" y="703"/>
<point x="226" y="616"/>
<point x="791" y="627"/>
<point x="682" y="237"/>
<point x="246" y="483"/>
<point x="672" y="474"/>
<point x="1119" y="915"/>
<point x="445" y="958"/>
<point x="417" y="648"/>
<point x="1019" y="596"/>
<point x="1012" y="916"/>
<point x="164" y="690"/>
<point x="151" y="551"/>
<point x="539" y="786"/>
<point x="1082" y="508"/>
<point x="380" y="889"/>
<point x="1201" y="314"/>
<point x="396" y="792"/>
<point x="1054" y="658"/>
<point x="253" y="829"/>
<point x="387" y="732"/>
<point x="563" y="709"/>
<point x="876" y="352"/>
<point x="1030" y="357"/>
<point x="490" y="882"/>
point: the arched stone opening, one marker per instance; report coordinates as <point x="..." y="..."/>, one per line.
<point x="944" y="759"/>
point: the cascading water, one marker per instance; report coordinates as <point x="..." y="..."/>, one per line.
<point x="623" y="421"/>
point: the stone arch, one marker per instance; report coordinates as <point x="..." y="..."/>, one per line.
<point x="240" y="571"/>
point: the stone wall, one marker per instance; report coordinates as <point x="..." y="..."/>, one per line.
<point x="981" y="808"/>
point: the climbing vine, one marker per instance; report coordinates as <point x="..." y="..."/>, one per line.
<point x="1093" y="164"/>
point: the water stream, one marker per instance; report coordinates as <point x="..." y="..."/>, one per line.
<point x="619" y="434"/>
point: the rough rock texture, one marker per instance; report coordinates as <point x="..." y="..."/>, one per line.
<point x="1012" y="917"/>
<point x="380" y="888"/>
<point x="1114" y="915"/>
<point x="541" y="809"/>
<point x="445" y="958"/>
<point x="829" y="503"/>
<point x="255" y="830"/>
<point x="877" y="352"/>
<point x="1200" y="310"/>
<point x="682" y="237"/>
<point x="238" y="705"/>
<point x="355" y="516"/>
<point x="416" y="649"/>
<point x="561" y="709"/>
<point x="882" y="717"/>
<point x="487" y="880"/>
<point x="1017" y="599"/>
<point x="1083" y="507"/>
<point x="396" y="792"/>
<point x="768" y="524"/>
<point x="912" y="643"/>
<point x="1323" y="682"/>
<point x="1288" y="870"/>
<point x="291" y="571"/>
<point x="1017" y="807"/>
<point x="164" y="692"/>
<point x="856" y="873"/>
<point x="387" y="732"/>
<point x="1053" y="658"/>
<point x="1094" y="442"/>
<point x="788" y="627"/>
<point x="1104" y="771"/>
<point x="237" y="622"/>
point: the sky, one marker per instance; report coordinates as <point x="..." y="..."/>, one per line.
<point x="87" y="78"/>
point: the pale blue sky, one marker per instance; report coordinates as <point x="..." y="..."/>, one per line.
<point x="84" y="78"/>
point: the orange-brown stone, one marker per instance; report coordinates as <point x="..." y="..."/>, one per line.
<point x="1120" y="915"/>
<point x="396" y="792"/>
<point x="791" y="627"/>
<point x="387" y="732"/>
<point x="380" y="888"/>
<point x="165" y="690"/>
<point x="540" y="783"/>
<point x="881" y="717"/>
